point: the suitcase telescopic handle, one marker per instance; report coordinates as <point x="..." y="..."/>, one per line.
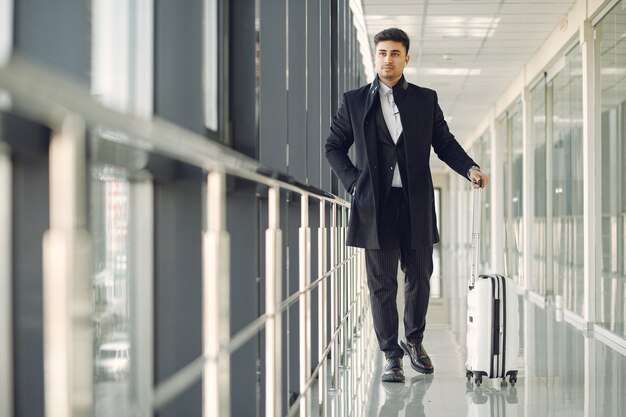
<point x="476" y="218"/>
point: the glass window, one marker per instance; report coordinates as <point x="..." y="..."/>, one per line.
<point x="611" y="290"/>
<point x="567" y="186"/>
<point x="511" y="132"/>
<point x="515" y="235"/>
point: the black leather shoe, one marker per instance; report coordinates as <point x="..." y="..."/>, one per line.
<point x="393" y="370"/>
<point x="419" y="358"/>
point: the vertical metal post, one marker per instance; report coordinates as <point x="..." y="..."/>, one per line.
<point x="216" y="301"/>
<point x="142" y="292"/>
<point x="322" y="312"/>
<point x="304" y="255"/>
<point x="551" y="280"/>
<point x="273" y="296"/>
<point x="68" y="361"/>
<point x="334" y="300"/>
<point x="343" y="275"/>
<point x="6" y="287"/>
<point x="346" y="347"/>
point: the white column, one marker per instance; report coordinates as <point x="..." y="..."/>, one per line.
<point x="322" y="309"/>
<point x="334" y="299"/>
<point x="273" y="295"/>
<point x="591" y="168"/>
<point x="304" y="304"/>
<point x="67" y="289"/>
<point x="216" y="301"/>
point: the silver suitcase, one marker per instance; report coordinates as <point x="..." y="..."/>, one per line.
<point x="492" y="319"/>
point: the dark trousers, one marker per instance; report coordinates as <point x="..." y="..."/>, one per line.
<point x="382" y="277"/>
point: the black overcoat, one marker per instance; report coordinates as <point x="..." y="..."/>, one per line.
<point x="423" y="127"/>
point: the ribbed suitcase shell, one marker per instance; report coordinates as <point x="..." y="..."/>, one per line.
<point x="492" y="329"/>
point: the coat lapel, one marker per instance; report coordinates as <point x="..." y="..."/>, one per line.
<point x="369" y="132"/>
<point x="410" y="117"/>
<point x="371" y="97"/>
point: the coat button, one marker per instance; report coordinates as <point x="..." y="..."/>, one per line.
<point x="391" y="168"/>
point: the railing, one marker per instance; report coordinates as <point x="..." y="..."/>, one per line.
<point x="345" y="351"/>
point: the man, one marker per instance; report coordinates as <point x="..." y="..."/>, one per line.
<point x="393" y="125"/>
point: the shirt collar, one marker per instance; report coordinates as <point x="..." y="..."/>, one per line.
<point x="384" y="89"/>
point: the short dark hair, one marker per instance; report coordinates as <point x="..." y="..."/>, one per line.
<point x="393" y="34"/>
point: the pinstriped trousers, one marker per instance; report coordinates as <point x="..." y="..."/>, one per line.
<point x="382" y="277"/>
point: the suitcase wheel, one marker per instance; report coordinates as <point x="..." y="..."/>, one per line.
<point x="512" y="378"/>
<point x="477" y="376"/>
<point x="478" y="379"/>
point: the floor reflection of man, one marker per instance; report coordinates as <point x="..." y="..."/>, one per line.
<point x="408" y="398"/>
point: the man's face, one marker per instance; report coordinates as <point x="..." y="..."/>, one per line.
<point x="391" y="58"/>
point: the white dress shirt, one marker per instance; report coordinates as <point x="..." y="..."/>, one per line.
<point x="391" y="115"/>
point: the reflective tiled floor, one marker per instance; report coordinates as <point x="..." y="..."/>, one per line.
<point x="562" y="373"/>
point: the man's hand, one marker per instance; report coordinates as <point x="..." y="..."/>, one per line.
<point x="476" y="175"/>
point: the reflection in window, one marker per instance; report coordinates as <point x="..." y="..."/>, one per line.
<point x="109" y="226"/>
<point x="567" y="185"/>
<point x="511" y="133"/>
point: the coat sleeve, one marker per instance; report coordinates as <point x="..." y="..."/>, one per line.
<point x="447" y="147"/>
<point x="338" y="144"/>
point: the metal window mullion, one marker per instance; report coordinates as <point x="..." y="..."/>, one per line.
<point x="68" y="376"/>
<point x="304" y="255"/>
<point x="216" y="301"/>
<point x="6" y="287"/>
<point x="142" y="293"/>
<point x="592" y="167"/>
<point x="322" y="309"/>
<point x="273" y="295"/>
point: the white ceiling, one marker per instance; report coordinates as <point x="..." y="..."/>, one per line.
<point x="469" y="51"/>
